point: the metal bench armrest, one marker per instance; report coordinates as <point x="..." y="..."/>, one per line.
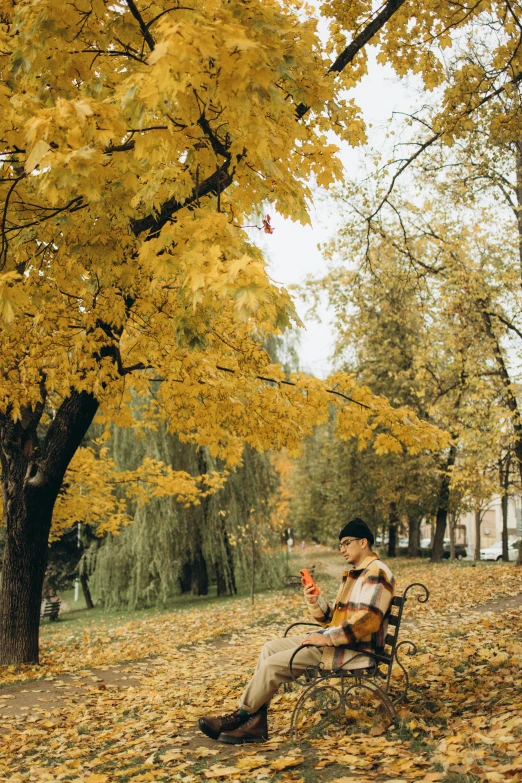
<point x="301" y="647"/>
<point x="293" y="625"/>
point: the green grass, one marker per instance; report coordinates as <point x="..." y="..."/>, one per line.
<point x="79" y="618"/>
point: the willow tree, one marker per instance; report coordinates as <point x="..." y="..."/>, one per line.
<point x="171" y="546"/>
<point x="135" y="144"/>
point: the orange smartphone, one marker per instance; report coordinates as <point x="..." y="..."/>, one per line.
<point x="309" y="580"/>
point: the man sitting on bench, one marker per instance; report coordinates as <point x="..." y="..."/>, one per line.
<point x="358" y="618"/>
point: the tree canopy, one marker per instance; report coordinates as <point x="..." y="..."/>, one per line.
<point x="123" y="247"/>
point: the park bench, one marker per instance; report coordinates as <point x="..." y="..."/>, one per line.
<point x="336" y="691"/>
<point x="50" y="610"/>
<point x="294" y="580"/>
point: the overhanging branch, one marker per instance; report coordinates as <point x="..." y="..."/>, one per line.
<point x="216" y="183"/>
<point x="347" y="55"/>
<point x="144" y="28"/>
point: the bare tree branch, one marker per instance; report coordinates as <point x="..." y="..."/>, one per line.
<point x="346" y="56"/>
<point x="360" y="40"/>
<point x="221" y="178"/>
<point x="143" y="27"/>
<point x="511" y="326"/>
<point x="424" y="146"/>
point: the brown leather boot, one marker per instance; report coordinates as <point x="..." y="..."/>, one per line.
<point x="213" y="727"/>
<point x="255" y="729"/>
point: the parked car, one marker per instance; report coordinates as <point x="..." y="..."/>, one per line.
<point x="460" y="551"/>
<point x="425" y="543"/>
<point x="494" y="552"/>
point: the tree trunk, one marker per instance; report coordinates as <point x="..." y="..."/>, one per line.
<point x="253" y="568"/>
<point x="511" y="398"/>
<point x="452" y="523"/>
<point x="31" y="480"/>
<point x="441" y="517"/>
<point x="393" y="522"/>
<point x="84" y="581"/>
<point x="503" y="469"/>
<point x="28" y="519"/>
<point x="414" y="524"/>
<point x="518" y="190"/>
<point x="225" y="572"/>
<point x="194" y="575"/>
<point x="478" y="522"/>
<point x="504" y="506"/>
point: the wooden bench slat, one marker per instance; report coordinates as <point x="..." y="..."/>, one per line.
<point x="51" y="610"/>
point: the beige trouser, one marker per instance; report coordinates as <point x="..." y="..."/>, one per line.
<point x="273" y="669"/>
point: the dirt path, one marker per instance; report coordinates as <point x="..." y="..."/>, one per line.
<point x="54" y="692"/>
<point x="499" y="605"/>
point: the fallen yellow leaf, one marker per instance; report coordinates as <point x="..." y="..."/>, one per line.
<point x="286" y="762"/>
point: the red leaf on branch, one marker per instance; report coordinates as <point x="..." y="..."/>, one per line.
<point x="267" y="228"/>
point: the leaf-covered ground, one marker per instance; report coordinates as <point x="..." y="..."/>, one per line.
<point x="119" y="701"/>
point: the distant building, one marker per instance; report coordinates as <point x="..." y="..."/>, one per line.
<point x="490" y="528"/>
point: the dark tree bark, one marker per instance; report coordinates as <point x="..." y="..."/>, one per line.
<point x="414" y="524"/>
<point x="504" y="505"/>
<point x="504" y="466"/>
<point x="32" y="476"/>
<point x="452" y="523"/>
<point x="225" y="575"/>
<point x="84" y="581"/>
<point x="478" y="523"/>
<point x="393" y="524"/>
<point x="441" y="518"/>
<point x="194" y="574"/>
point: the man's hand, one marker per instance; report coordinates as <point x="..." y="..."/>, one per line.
<point x="317" y="639"/>
<point x="312" y="599"/>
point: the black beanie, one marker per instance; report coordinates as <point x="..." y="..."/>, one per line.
<point x="357" y="528"/>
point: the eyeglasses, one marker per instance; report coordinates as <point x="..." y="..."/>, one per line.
<point x="345" y="544"/>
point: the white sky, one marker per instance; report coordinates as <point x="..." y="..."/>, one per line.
<point x="292" y="249"/>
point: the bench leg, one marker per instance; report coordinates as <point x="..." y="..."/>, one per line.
<point x="339" y="697"/>
<point x="412" y="651"/>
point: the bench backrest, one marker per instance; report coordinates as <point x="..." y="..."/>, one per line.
<point x="51" y="610"/>
<point x="394" y="623"/>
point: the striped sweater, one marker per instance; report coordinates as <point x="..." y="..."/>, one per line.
<point x="359" y="614"/>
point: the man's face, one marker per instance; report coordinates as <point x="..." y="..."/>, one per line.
<point x="353" y="549"/>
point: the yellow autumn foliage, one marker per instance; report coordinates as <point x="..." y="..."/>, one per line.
<point x="136" y="145"/>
